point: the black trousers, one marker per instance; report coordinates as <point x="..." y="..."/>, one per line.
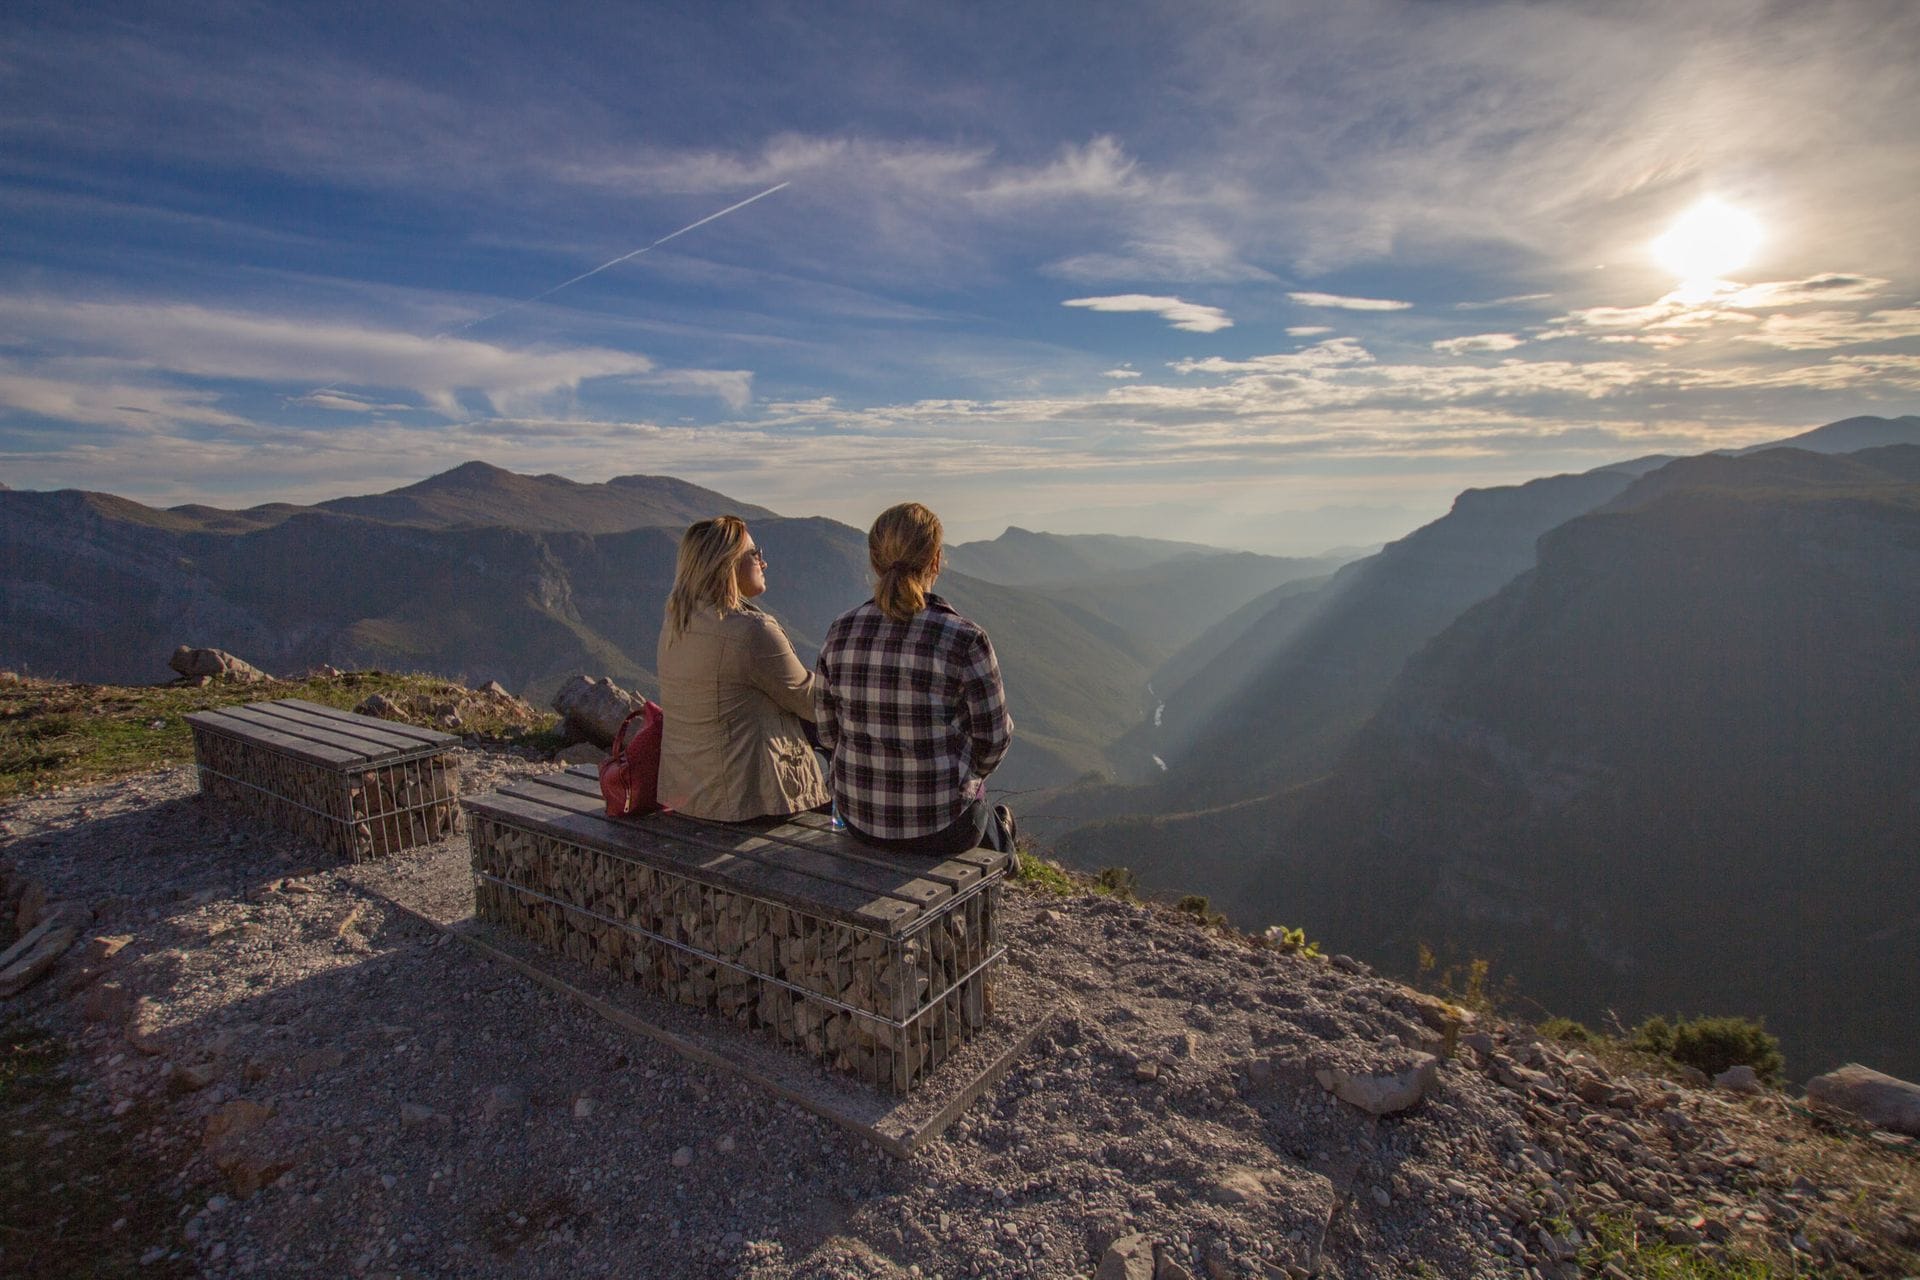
<point x="976" y="828"/>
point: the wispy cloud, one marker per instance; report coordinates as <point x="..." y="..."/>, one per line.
<point x="1511" y="300"/>
<point x="345" y="402"/>
<point x="1307" y="330"/>
<point x="1478" y="342"/>
<point x="1337" y="353"/>
<point x="1101" y="169"/>
<point x="1192" y="317"/>
<point x="1827" y="289"/>
<point x="1348" y="304"/>
<point x="1121" y="373"/>
<point x="180" y="340"/>
<point x="1822" y="329"/>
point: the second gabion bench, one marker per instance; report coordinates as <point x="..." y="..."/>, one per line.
<point x="357" y="785"/>
<point x="879" y="965"/>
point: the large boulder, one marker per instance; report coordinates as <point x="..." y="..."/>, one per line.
<point x="1382" y="1093"/>
<point x="1881" y="1100"/>
<point x="594" y="709"/>
<point x="215" y="664"/>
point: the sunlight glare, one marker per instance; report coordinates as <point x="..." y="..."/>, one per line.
<point x="1707" y="241"/>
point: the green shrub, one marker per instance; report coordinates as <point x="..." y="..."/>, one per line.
<point x="1655" y="1035"/>
<point x="1291" y="941"/>
<point x="1568" y="1031"/>
<point x="1117" y="882"/>
<point x="1713" y="1044"/>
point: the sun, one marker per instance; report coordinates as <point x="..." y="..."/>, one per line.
<point x="1708" y="241"/>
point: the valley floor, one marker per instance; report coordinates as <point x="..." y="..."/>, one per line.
<point x="396" y="1105"/>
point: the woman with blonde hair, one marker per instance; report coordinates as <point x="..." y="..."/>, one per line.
<point x="908" y="698"/>
<point x="734" y="693"/>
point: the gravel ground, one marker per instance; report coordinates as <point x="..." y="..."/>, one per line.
<point x="330" y="1086"/>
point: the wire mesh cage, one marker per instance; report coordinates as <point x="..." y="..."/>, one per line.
<point x="887" y="1008"/>
<point x="358" y="810"/>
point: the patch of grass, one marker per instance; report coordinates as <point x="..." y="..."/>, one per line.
<point x="1618" y="1242"/>
<point x="1118" y="882"/>
<point x="1042" y="874"/>
<point x="59" y="735"/>
<point x="65" y="1180"/>
<point x="1200" y="907"/>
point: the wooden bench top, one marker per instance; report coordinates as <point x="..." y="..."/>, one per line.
<point x="321" y="734"/>
<point x="800" y="862"/>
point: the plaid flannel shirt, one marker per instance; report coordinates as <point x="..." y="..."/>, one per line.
<point x="915" y="715"/>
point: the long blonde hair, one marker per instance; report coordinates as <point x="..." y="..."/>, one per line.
<point x="904" y="549"/>
<point x="704" y="574"/>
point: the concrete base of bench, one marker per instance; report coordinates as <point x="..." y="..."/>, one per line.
<point x="877" y="965"/>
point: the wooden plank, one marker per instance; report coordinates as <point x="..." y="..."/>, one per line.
<point x="325" y="737"/>
<point x="956" y="875"/>
<point x="428" y="737"/>
<point x="746" y="842"/>
<point x="372" y="737"/>
<point x="720" y="869"/>
<point x="986" y="861"/>
<point x="806" y="830"/>
<point x="300" y="748"/>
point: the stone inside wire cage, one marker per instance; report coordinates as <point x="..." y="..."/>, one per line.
<point x="887" y="1009"/>
<point x="357" y="811"/>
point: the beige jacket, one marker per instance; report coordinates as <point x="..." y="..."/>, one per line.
<point x="734" y="695"/>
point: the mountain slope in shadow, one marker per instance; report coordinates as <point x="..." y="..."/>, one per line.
<point x="1671" y="769"/>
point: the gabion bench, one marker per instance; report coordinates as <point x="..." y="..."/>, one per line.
<point x="357" y="785"/>
<point x="877" y="964"/>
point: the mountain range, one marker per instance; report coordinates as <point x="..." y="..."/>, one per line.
<point x="1639" y="736"/>
<point x="1667" y="768"/>
<point x="479" y="573"/>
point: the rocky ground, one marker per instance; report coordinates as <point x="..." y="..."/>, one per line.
<point x="251" y="1064"/>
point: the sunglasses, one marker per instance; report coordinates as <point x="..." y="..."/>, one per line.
<point x="755" y="554"/>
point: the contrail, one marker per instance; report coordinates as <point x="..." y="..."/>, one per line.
<point x="691" y="226"/>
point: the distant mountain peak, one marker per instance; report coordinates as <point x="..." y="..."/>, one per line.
<point x="464" y="474"/>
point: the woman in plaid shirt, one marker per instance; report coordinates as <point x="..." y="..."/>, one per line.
<point x="908" y="698"/>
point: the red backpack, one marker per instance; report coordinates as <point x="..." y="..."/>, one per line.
<point x="630" y="775"/>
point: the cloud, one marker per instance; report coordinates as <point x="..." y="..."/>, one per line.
<point x="1792" y="293"/>
<point x="1821" y="329"/>
<point x="1307" y="330"/>
<point x="732" y="387"/>
<point x="1323" y="355"/>
<point x="345" y="402"/>
<point x="192" y="341"/>
<point x="114" y="406"/>
<point x="1122" y="372"/>
<point x="1478" y="342"/>
<point x="1512" y="300"/>
<point x="1680" y="309"/>
<point x="1348" y="304"/>
<point x="1100" y="170"/>
<point x="1189" y="316"/>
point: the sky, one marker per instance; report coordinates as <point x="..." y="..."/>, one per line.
<point x="1284" y="276"/>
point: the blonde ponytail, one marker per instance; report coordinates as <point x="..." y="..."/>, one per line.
<point x="903" y="548"/>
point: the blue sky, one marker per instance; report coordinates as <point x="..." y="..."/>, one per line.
<point x="1279" y="275"/>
